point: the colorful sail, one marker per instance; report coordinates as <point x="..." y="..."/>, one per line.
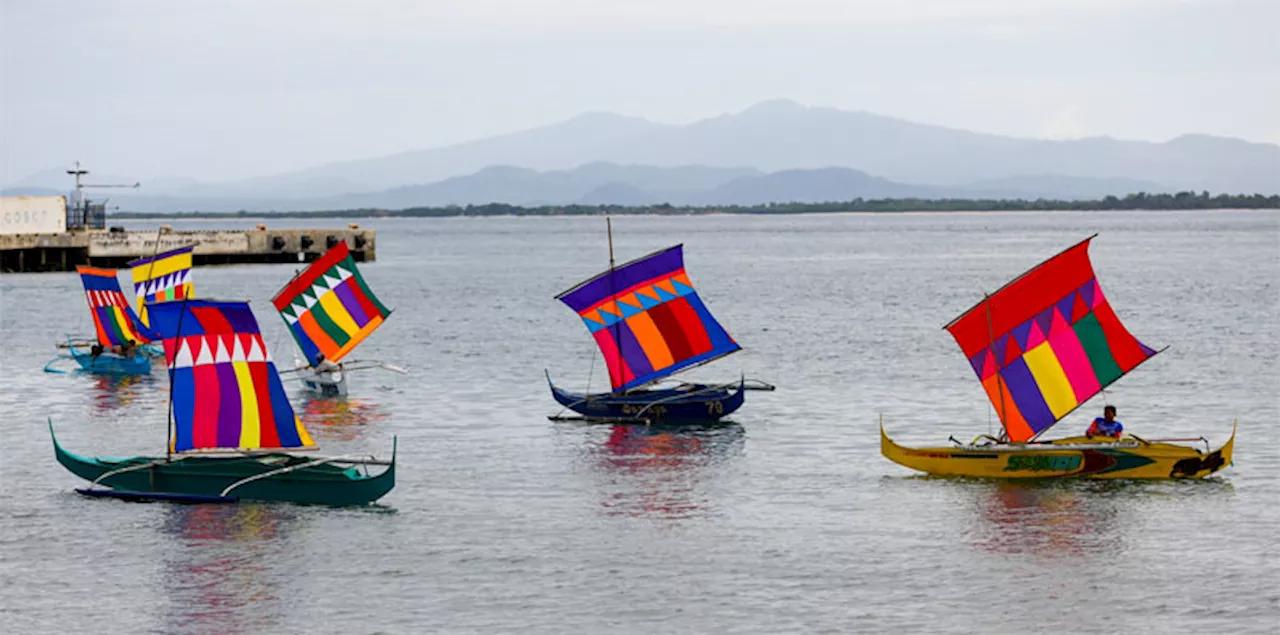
<point x="648" y="320"/>
<point x="226" y="392"/>
<point x="1046" y="342"/>
<point x="114" y="320"/>
<point x="329" y="307"/>
<point x="162" y="278"/>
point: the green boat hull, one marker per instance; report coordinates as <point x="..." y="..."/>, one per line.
<point x="208" y="476"/>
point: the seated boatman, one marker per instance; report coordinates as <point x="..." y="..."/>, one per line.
<point x="1106" y="425"/>
<point x="325" y="366"/>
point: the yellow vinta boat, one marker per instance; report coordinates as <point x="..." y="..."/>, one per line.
<point x="1078" y="457"/>
<point x="1041" y="346"/>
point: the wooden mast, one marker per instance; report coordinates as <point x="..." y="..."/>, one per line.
<point x="991" y="349"/>
<point x="613" y="290"/>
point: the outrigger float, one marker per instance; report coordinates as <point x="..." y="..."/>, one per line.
<point x="650" y="324"/>
<point x="330" y="310"/>
<point x="1041" y="346"/>
<point x="232" y="426"/>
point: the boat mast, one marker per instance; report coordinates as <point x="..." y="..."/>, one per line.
<point x="613" y="291"/>
<point x="991" y="341"/>
<point x="177" y="346"/>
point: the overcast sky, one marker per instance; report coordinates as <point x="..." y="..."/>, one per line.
<point x="231" y="89"/>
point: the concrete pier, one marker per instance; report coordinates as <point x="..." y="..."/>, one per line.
<point x="102" y="248"/>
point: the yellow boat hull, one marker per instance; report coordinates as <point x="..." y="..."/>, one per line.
<point x="1075" y="457"/>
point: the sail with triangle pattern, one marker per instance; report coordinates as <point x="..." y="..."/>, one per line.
<point x="648" y="320"/>
<point x="164" y="277"/>
<point x="116" y="324"/>
<point x="226" y="392"/>
<point x="1046" y="342"/>
<point x="329" y="307"/>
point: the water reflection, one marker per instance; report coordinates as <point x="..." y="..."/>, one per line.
<point x="662" y="472"/>
<point x="218" y="575"/>
<point x="115" y="392"/>
<point x="339" y="419"/>
<point x="1052" y="519"/>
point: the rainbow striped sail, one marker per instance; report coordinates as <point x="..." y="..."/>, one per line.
<point x="1046" y="342"/>
<point x="162" y="278"/>
<point x="648" y="320"/>
<point x="329" y="307"/>
<point x="113" y="319"/>
<point x="227" y="394"/>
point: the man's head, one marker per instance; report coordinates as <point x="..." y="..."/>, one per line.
<point x="1109" y="413"/>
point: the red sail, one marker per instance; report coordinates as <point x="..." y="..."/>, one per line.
<point x="1046" y="342"/>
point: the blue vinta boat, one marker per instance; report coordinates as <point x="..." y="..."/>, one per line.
<point x="123" y="340"/>
<point x="232" y="426"/>
<point x="649" y="323"/>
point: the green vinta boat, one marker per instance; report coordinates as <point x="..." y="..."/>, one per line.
<point x="231" y="425"/>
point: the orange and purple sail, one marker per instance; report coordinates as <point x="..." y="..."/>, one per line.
<point x="227" y="394"/>
<point x="647" y="319"/>
<point x="113" y="319"/>
<point x="1046" y="342"/>
<point x="329" y="307"/>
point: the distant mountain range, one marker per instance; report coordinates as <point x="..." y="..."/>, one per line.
<point x="611" y="184"/>
<point x="777" y="151"/>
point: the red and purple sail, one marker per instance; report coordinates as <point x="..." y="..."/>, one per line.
<point x="227" y="394"/>
<point x="114" y="321"/>
<point x="648" y="320"/>
<point x="1046" y="342"/>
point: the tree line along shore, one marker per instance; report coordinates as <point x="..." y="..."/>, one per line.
<point x="1139" y="201"/>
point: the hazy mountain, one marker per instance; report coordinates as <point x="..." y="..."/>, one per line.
<point x="812" y="186"/>
<point x="1066" y="187"/>
<point x="783" y="135"/>
<point x="606" y="183"/>
<point x="522" y="186"/>
<point x="558" y="146"/>
<point x="597" y="158"/>
<point x="31" y="191"/>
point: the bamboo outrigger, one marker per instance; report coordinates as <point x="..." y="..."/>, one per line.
<point x="1043" y="345"/>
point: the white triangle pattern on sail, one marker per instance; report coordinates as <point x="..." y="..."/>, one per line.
<point x="213" y="350"/>
<point x="204" y="356"/>
<point x="255" y="350"/>
<point x="221" y="356"/>
<point x="183" y="358"/>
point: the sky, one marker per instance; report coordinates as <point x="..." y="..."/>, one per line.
<point x="239" y="88"/>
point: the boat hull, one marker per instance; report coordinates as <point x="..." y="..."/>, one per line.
<point x="1076" y="457"/>
<point x="204" y="478"/>
<point x="111" y="364"/>
<point x="693" y="403"/>
<point x="324" y="384"/>
<point x="114" y="365"/>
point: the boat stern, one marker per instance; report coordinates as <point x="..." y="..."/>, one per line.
<point x="919" y="460"/>
<point x="86" y="468"/>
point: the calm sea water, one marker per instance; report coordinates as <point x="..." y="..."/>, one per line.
<point x="787" y="520"/>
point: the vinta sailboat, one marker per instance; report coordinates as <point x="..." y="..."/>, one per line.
<point x="1041" y="346"/>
